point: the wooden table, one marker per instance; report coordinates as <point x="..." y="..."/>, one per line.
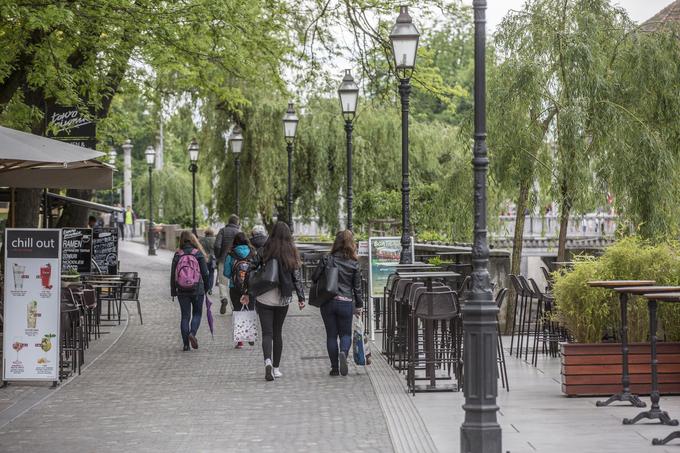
<point x="620" y="286"/>
<point x="428" y="277"/>
<point x="655" y="412"/>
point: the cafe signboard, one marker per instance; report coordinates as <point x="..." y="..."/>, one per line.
<point x="105" y="249"/>
<point x="76" y="251"/>
<point x="383" y="254"/>
<point x="32" y="304"/>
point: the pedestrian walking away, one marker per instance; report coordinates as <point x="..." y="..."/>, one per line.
<point x="236" y="270"/>
<point x="208" y="244"/>
<point x="188" y="280"/>
<point x="272" y="306"/>
<point x="223" y="243"/>
<point x="130" y="222"/>
<point x="338" y="312"/>
<point x="258" y="237"/>
<point x="119" y="217"/>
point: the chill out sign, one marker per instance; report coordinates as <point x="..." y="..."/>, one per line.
<point x="31" y="313"/>
<point x="32" y="243"/>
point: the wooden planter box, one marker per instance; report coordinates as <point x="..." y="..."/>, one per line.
<point x="594" y="369"/>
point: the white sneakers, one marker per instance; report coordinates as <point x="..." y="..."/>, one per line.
<point x="270" y="372"/>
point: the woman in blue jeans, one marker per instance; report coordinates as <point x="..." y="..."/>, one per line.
<point x="190" y="265"/>
<point x="337" y="313"/>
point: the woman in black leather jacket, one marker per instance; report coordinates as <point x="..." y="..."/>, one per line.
<point x="272" y="306"/>
<point x="337" y="313"/>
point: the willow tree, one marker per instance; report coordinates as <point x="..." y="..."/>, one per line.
<point x="573" y="44"/>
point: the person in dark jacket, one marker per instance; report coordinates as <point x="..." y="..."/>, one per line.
<point x="337" y="312"/>
<point x="240" y="251"/>
<point x="223" y="243"/>
<point x="258" y="236"/>
<point x="272" y="306"/>
<point x="190" y="301"/>
<point x="208" y="244"/>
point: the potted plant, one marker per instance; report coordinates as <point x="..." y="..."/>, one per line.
<point x="71" y="275"/>
<point x="592" y="364"/>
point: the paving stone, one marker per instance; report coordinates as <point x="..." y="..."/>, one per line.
<point x="146" y="394"/>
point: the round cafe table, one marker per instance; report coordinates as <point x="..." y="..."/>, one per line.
<point x="619" y="286"/>
<point x="655" y="412"/>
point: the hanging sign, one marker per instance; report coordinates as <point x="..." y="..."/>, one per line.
<point x="105" y="249"/>
<point x="383" y="254"/>
<point x="76" y="250"/>
<point x="68" y="124"/>
<point x="32" y="304"/>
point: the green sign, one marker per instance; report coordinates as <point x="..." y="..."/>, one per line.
<point x="383" y="255"/>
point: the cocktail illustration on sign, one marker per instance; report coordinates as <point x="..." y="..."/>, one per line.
<point x="18" y="345"/>
<point x="45" y="275"/>
<point x="32" y="314"/>
<point x="19" y="273"/>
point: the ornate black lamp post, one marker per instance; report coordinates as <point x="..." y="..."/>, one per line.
<point x="404" y="38"/>
<point x="193" y="157"/>
<point x="150" y="155"/>
<point x="290" y="122"/>
<point x="236" y="141"/>
<point x="349" y="97"/>
<point x="480" y="432"/>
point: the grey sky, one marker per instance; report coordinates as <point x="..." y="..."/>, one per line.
<point x="639" y="10"/>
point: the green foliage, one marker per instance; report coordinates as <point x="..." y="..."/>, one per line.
<point x="589" y="312"/>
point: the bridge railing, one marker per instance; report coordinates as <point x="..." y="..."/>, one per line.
<point x="549" y="225"/>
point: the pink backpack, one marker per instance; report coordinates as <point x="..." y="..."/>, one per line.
<point x="187" y="271"/>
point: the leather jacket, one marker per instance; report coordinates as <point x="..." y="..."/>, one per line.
<point x="349" y="279"/>
<point x="289" y="281"/>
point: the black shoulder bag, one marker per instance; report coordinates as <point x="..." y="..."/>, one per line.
<point x="325" y="287"/>
<point x="264" y="278"/>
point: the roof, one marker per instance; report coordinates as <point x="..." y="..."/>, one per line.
<point x="667" y="16"/>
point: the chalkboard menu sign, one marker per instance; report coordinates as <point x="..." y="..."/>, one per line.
<point x="105" y="249"/>
<point x="76" y="250"/>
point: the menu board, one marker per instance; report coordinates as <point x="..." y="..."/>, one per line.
<point x="76" y="250"/>
<point x="105" y="249"/>
<point x="383" y="254"/>
<point x="32" y="304"/>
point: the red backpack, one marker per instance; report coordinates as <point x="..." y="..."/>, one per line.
<point x="187" y="271"/>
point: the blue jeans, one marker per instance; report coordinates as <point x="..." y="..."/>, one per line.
<point x="337" y="317"/>
<point x="192" y="310"/>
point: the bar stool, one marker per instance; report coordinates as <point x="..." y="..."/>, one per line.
<point x="502" y="368"/>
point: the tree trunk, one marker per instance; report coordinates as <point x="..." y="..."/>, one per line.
<point x="26" y="208"/>
<point x="517" y="243"/>
<point x="565" y="210"/>
<point x="73" y="215"/>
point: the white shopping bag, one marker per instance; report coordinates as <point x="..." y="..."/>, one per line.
<point x="245" y="325"/>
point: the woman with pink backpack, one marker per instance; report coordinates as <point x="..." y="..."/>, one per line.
<point x="189" y="279"/>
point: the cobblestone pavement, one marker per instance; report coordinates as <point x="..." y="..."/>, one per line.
<point x="145" y="394"/>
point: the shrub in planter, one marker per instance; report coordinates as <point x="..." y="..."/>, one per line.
<point x="591" y="312"/>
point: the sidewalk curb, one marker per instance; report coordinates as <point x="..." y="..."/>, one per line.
<point x="404" y="423"/>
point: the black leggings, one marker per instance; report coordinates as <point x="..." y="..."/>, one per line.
<point x="271" y="323"/>
<point x="235" y="296"/>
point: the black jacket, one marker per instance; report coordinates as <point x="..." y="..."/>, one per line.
<point x="224" y="241"/>
<point x="349" y="278"/>
<point x="289" y="281"/>
<point x="200" y="290"/>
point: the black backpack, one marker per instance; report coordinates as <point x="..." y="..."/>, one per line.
<point x="240" y="271"/>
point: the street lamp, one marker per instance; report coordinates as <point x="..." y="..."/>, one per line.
<point x="349" y="97"/>
<point x="404" y="38"/>
<point x="236" y="141"/>
<point x="290" y="122"/>
<point x="480" y="431"/>
<point x="193" y="157"/>
<point x="150" y="155"/>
